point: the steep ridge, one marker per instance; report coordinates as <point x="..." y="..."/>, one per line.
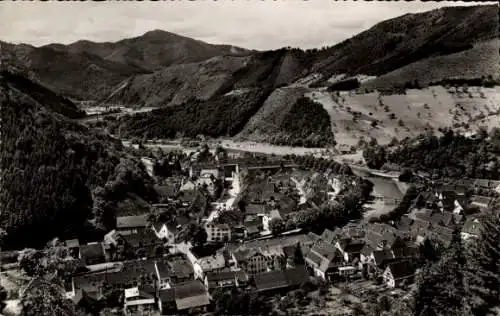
<point x="59" y="174"/>
<point x="79" y="75"/>
<point x="269" y="118"/>
<point x="42" y="95"/>
<point x="397" y="42"/>
<point x="212" y="78"/>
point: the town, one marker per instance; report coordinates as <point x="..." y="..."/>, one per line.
<point x="257" y="229"/>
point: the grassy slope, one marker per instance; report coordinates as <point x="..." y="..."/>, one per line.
<point x="482" y="60"/>
<point x="268" y="119"/>
<point x="179" y="83"/>
<point x="439" y="112"/>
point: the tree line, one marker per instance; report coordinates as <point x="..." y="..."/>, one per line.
<point x="450" y="155"/>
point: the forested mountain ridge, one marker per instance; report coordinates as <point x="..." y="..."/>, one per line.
<point x="88" y="70"/>
<point x="153" y="50"/>
<point x="51" y="100"/>
<point x="403" y="40"/>
<point x="59" y="174"/>
<point x="212" y="78"/>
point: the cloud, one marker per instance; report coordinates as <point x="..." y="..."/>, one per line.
<point x="251" y="24"/>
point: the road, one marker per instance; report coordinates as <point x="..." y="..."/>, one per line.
<point x="95" y="114"/>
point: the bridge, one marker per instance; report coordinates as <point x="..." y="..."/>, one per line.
<point x="388" y="200"/>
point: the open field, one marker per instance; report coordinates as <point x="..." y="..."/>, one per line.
<point x="365" y="115"/>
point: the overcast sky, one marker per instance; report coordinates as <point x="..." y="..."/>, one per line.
<point x="254" y="24"/>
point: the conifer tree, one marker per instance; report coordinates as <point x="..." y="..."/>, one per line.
<point x="483" y="273"/>
<point x="441" y="289"/>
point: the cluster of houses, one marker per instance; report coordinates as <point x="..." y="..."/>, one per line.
<point x="179" y="278"/>
<point x="439" y="212"/>
<point x="143" y="260"/>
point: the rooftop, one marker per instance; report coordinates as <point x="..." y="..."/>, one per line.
<point x="93" y="250"/>
<point x="124" y="222"/>
<point x="401" y="269"/>
<point x="472" y="226"/>
<point x="214" y="262"/>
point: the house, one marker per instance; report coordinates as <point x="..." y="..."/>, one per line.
<point x="270" y="281"/>
<point x="406" y="252"/>
<point x="174" y="269"/>
<point x="196" y="169"/>
<point x="471" y="229"/>
<point x="131" y="224"/>
<point x="111" y="239"/>
<point x="139" y="299"/>
<point x="191" y="297"/>
<point x="206" y="182"/>
<point x="485" y="184"/>
<point x="350" y="248"/>
<point x="212" y="264"/>
<point x="255" y="209"/>
<point x="188" y="186"/>
<point x="398" y="273"/>
<point x="92" y="253"/>
<point x="459" y="205"/>
<point x="428" y="200"/>
<point x="128" y="274"/>
<point x="167" y="191"/>
<point x="253" y="225"/>
<point x="344" y="149"/>
<point x="330" y="236"/>
<point x="166" y="301"/>
<point x="73" y="246"/>
<point x="324" y="259"/>
<point x="184" y="298"/>
<point x="404" y="223"/>
<point x="380" y="258"/>
<point x="165" y="231"/>
<point x="281" y="281"/>
<point x="213" y="172"/>
<point x="238" y="232"/>
<point x="256" y="261"/>
<point x="224" y="279"/>
<point x="365" y="256"/>
<point x="481" y="202"/>
<point x="141" y="245"/>
<point x="217" y="233"/>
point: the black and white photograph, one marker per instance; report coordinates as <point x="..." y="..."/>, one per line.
<point x="249" y="157"/>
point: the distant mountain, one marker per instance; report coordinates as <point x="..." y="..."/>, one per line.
<point x="211" y="78"/>
<point x="86" y="70"/>
<point x="78" y="75"/>
<point x="153" y="50"/>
